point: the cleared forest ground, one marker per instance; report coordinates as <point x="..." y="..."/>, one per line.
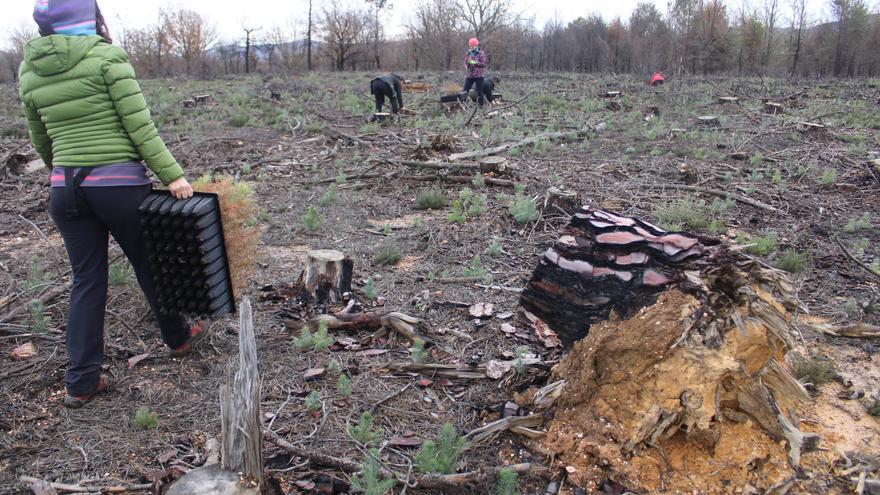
<point x="797" y="197"/>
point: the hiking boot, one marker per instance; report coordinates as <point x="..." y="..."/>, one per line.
<point x="77" y="401"/>
<point x="197" y="332"/>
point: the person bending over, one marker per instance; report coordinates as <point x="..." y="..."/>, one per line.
<point x="390" y="87"/>
<point x="489" y="85"/>
<point x="475" y="62"/>
<point x="88" y="121"/>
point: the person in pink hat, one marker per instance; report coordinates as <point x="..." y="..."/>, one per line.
<point x="475" y="62"/>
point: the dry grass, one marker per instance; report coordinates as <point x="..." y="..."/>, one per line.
<point x="241" y="228"/>
<point x="451" y="88"/>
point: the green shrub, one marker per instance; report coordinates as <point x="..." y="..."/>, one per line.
<point x="792" y="261"/>
<point x="334" y="367"/>
<point x="829" y="177"/>
<point x="815" y="370"/>
<point x="240" y="119"/>
<point x="388" y="255"/>
<point x="321" y="340"/>
<point x="369" y="481"/>
<point x="146" y="419"/>
<point x="313" y="402"/>
<point x="494" y="249"/>
<point x="467" y="206"/>
<point x="39" y="321"/>
<point x="417" y="352"/>
<point x="507" y="482"/>
<point x="441" y="456"/>
<point x="684" y="212"/>
<point x="329" y="196"/>
<point x="119" y="273"/>
<point x="305" y="340"/>
<point x="370" y="290"/>
<point x="343" y="385"/>
<point x="476" y="269"/>
<point x="756" y="159"/>
<point x="311" y="220"/>
<point x="522" y="207"/>
<point x="363" y="431"/>
<point x="479" y="180"/>
<point x="431" y="200"/>
<point x="762" y="246"/>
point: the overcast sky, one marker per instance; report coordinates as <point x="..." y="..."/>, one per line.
<point x="228" y="15"/>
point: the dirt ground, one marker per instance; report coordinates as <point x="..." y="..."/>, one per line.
<point x="313" y="148"/>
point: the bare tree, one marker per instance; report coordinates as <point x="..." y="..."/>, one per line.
<point x="189" y="33"/>
<point x="248" y="40"/>
<point x="282" y="40"/>
<point x="343" y="33"/>
<point x="484" y="17"/>
<point x="798" y="26"/>
<point x="434" y="30"/>
<point x="309" y="32"/>
<point x="18" y="38"/>
<point x="377" y="6"/>
<point x="771" y="13"/>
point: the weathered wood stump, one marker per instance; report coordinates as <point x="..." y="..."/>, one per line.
<point x="496" y="164"/>
<point x="560" y="200"/>
<point x="708" y="121"/>
<point x="675" y="375"/>
<point x="327" y="275"/>
<point x="773" y="108"/>
<point x="241" y="469"/>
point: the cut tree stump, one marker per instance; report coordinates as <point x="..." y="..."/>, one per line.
<point x="560" y="200"/>
<point x="496" y="164"/>
<point x="676" y="359"/>
<point x="327" y="275"/>
<point x="708" y="121"/>
<point x="773" y="108"/>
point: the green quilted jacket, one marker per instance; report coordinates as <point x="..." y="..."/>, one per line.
<point x="85" y="108"/>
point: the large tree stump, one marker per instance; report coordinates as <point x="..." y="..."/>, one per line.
<point x="675" y="379"/>
<point x="328" y="275"/>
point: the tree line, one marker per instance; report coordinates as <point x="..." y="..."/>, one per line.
<point x="703" y="37"/>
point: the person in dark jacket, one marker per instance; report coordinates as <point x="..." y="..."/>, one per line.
<point x="489" y="84"/>
<point x="391" y="87"/>
<point x="475" y="63"/>
<point x="88" y="120"/>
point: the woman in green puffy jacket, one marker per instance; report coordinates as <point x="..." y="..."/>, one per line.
<point x="89" y="122"/>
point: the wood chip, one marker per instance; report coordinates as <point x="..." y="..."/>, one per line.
<point x="24" y="352"/>
<point x="166" y="456"/>
<point x="403" y="441"/>
<point x="508" y="328"/>
<point x="482" y="310"/>
<point x="313" y="373"/>
<point x="372" y="352"/>
<point x="134" y="360"/>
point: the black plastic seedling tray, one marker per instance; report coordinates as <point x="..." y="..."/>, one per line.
<point x="187" y="253"/>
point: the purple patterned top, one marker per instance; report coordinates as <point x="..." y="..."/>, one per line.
<point x="477" y="69"/>
<point x="117" y="174"/>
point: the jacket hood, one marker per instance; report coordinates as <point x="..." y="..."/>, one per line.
<point x="50" y="55"/>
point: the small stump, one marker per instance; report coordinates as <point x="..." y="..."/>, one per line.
<point x="708" y="121"/>
<point x="496" y="164"/>
<point x="328" y="275"/>
<point x="728" y="100"/>
<point x="611" y="94"/>
<point x="773" y="108"/>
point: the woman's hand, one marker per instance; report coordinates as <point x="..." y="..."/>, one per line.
<point x="181" y="189"/>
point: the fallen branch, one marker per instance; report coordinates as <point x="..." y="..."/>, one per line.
<point x="436" y="165"/>
<point x="459" y="179"/>
<point x="403" y="324"/>
<point x="65" y="488"/>
<point x="461" y="480"/>
<point x="853" y="258"/>
<point x="856" y="330"/>
<point x="551" y="136"/>
<point x="505" y="107"/>
<point x="517" y="424"/>
<point x="723" y="194"/>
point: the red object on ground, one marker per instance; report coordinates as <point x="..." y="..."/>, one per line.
<point x="657" y="79"/>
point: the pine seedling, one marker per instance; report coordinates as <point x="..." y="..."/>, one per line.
<point x="762" y="246"/>
<point x="494" y="249"/>
<point x="792" y="261"/>
<point x="829" y="177"/>
<point x="476" y="269"/>
<point x="321" y="340"/>
<point x="418" y="352"/>
<point x="343" y="385"/>
<point x="441" y="456"/>
<point x="37" y="276"/>
<point x="119" y="273"/>
<point x="388" y="255"/>
<point x="305" y="340"/>
<point x="507" y="482"/>
<point x="313" y="402"/>
<point x="479" y="180"/>
<point x="334" y="367"/>
<point x="311" y="220"/>
<point x="329" y="196"/>
<point x="39" y="322"/>
<point x="522" y="207"/>
<point x="369" y="481"/>
<point x="146" y="419"/>
<point x="370" y="290"/>
<point x="363" y="431"/>
<point x="430" y="200"/>
<point x="520" y="363"/>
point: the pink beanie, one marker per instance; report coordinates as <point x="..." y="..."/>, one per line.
<point x="473" y="42"/>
